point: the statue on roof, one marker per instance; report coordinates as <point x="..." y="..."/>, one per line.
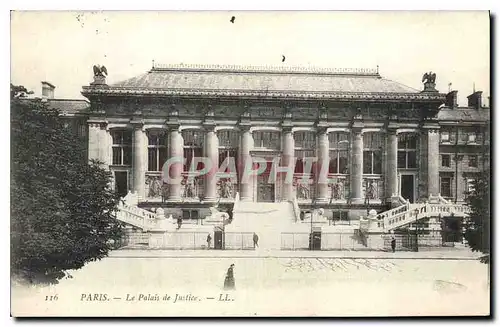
<point x="100" y="71"/>
<point x="429" y="77"/>
<point x="429" y="80"/>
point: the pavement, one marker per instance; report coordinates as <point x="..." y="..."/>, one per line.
<point x="444" y="253"/>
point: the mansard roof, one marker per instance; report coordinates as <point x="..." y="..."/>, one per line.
<point x="464" y="114"/>
<point x="212" y="80"/>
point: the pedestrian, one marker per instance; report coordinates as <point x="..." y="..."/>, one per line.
<point x="255" y="240"/>
<point x="179" y="223"/>
<point x="209" y="240"/>
<point x="393" y="243"/>
<point x="229" y="280"/>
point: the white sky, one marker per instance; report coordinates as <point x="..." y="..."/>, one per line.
<point x="62" y="47"/>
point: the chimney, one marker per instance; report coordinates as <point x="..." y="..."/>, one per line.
<point x="474" y="100"/>
<point x="47" y="90"/>
<point x="452" y="99"/>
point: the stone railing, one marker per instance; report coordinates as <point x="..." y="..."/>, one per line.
<point x="135" y="216"/>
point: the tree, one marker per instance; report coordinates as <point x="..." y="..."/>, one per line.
<point x="62" y="208"/>
<point x="477" y="227"/>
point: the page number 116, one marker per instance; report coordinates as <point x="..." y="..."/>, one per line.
<point x="51" y="298"/>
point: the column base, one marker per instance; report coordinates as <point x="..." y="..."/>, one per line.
<point x="357" y="201"/>
<point x="174" y="199"/>
<point x="246" y="200"/>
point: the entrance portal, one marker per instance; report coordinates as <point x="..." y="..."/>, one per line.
<point x="265" y="184"/>
<point x="407" y="190"/>
<point x="121" y="185"/>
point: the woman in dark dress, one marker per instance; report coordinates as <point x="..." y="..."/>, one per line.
<point x="229" y="280"/>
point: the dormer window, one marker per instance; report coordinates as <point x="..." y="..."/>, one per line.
<point x="445" y="137"/>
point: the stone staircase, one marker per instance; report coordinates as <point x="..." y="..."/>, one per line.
<point x="267" y="220"/>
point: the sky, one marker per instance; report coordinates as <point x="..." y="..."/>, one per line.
<point x="61" y="47"/>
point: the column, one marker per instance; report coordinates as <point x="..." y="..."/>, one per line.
<point x="357" y="166"/>
<point x="287" y="160"/>
<point x="324" y="163"/>
<point x="176" y="155"/>
<point x="433" y="162"/>
<point x="391" y="164"/>
<point x="138" y="164"/>
<point x="246" y="189"/>
<point x="94" y="140"/>
<point x="105" y="147"/>
<point x="212" y="154"/>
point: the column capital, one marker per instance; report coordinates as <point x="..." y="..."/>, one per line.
<point x="287" y="129"/>
<point x="209" y="126"/>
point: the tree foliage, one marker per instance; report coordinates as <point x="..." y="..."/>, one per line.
<point x="477" y="227"/>
<point x="62" y="209"/>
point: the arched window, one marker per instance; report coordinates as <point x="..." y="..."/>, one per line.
<point x="407" y="150"/>
<point x="157" y="150"/>
<point x="339" y="153"/>
<point x="122" y="147"/>
<point x="305" y="147"/>
<point x="193" y="147"/>
<point x="372" y="153"/>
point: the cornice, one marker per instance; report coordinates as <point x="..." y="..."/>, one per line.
<point x="372" y="96"/>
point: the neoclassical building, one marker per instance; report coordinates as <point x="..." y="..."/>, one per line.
<point x="378" y="141"/>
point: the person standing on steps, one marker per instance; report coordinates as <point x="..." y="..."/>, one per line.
<point x="255" y="240"/>
<point x="229" y="283"/>
<point x="209" y="240"/>
<point x="393" y="243"/>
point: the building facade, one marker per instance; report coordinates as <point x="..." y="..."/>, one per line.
<point x="376" y="140"/>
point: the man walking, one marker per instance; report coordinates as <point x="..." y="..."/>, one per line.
<point x="393" y="243"/>
<point x="255" y="240"/>
<point x="209" y="240"/>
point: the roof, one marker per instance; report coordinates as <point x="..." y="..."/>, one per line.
<point x="49" y="84"/>
<point x="464" y="114"/>
<point x="292" y="82"/>
<point x="69" y="106"/>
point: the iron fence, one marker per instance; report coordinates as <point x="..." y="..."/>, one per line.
<point x="183" y="240"/>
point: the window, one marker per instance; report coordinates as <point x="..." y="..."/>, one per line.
<point x="122" y="147"/>
<point x="157" y="150"/>
<point x="267" y="139"/>
<point x="372" y="153"/>
<point x="228" y="146"/>
<point x="445" y="137"/>
<point x="446" y="187"/>
<point x="445" y="160"/>
<point x="190" y="214"/>
<point x="339" y="153"/>
<point x="469" y="184"/>
<point x="471" y="138"/>
<point x="193" y="147"/>
<point x="340" y="216"/>
<point x="305" y="145"/>
<point x="407" y="150"/>
<point x="473" y="161"/>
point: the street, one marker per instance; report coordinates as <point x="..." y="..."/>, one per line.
<point x="265" y="286"/>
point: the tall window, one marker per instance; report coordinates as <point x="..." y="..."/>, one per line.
<point x="372" y="153"/>
<point x="267" y="140"/>
<point x="305" y="145"/>
<point x="339" y="153"/>
<point x="473" y="161"/>
<point x="446" y="187"/>
<point x="193" y="147"/>
<point x="157" y="150"/>
<point x="407" y="150"/>
<point x="228" y="146"/>
<point x="445" y="160"/>
<point x="122" y="147"/>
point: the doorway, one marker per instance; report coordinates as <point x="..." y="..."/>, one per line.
<point x="121" y="183"/>
<point x="407" y="190"/>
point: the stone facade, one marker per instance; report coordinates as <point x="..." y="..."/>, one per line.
<point x="285" y="123"/>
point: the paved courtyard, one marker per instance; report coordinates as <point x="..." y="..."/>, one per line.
<point x="266" y="284"/>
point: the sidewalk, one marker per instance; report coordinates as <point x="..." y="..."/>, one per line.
<point x="434" y="254"/>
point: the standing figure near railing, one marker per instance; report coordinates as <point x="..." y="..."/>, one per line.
<point x="229" y="283"/>
<point x="209" y="240"/>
